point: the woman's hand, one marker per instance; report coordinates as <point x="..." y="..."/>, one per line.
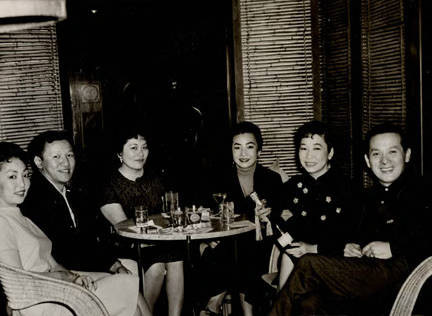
<point x="352" y="250"/>
<point x="301" y="248"/>
<point x="262" y="214"/>
<point x="85" y="281"/>
<point x="377" y="249"/>
<point x="118" y="267"/>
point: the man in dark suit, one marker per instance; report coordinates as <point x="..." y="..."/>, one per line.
<point x="64" y="212"/>
<point x="393" y="239"/>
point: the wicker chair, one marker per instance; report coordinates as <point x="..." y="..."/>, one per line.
<point x="25" y="289"/>
<point x="407" y="296"/>
<point x="273" y="268"/>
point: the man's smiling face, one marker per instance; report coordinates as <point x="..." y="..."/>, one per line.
<point x="387" y="157"/>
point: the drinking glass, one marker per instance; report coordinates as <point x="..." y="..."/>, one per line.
<point x="177" y="219"/>
<point x="220" y="200"/>
<point x="227" y="214"/>
<point x="141" y="216"/>
<point x="171" y="201"/>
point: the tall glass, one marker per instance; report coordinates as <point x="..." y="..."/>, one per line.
<point x="227" y="214"/>
<point x="141" y="217"/>
<point x="171" y="201"/>
<point x="171" y="206"/>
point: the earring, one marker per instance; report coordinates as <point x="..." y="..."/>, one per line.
<point x="121" y="159"/>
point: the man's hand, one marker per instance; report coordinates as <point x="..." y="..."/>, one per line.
<point x="377" y="249"/>
<point x="352" y="250"/>
<point x="301" y="248"/>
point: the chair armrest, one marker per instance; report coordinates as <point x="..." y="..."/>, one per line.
<point x="24" y="289"/>
<point x="407" y="296"/>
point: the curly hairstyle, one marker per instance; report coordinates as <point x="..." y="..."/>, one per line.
<point x="10" y="150"/>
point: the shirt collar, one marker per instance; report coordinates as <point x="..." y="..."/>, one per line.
<point x="62" y="192"/>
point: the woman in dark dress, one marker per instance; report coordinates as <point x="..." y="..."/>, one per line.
<point x="245" y="181"/>
<point x="130" y="185"/>
<point x="318" y="205"/>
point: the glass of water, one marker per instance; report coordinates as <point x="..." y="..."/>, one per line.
<point x="141" y="216"/>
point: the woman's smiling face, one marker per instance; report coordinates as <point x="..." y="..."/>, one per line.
<point x="245" y="150"/>
<point x="314" y="155"/>
<point x="14" y="182"/>
<point x="135" y="153"/>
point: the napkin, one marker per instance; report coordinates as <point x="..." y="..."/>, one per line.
<point x="148" y="224"/>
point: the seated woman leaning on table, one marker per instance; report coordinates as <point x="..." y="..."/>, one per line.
<point x="134" y="184"/>
<point x="25" y="246"/>
<point x="245" y="183"/>
<point x="318" y="205"/>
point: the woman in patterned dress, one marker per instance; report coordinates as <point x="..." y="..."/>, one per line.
<point x="135" y="184"/>
<point x="318" y="206"/>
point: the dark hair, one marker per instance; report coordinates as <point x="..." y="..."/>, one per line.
<point x="248" y="127"/>
<point x="314" y="128"/>
<point x="37" y="144"/>
<point x="384" y="128"/>
<point x="11" y="150"/>
<point x="128" y="132"/>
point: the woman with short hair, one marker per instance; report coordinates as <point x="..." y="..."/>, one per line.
<point x="134" y="183"/>
<point x="318" y="205"/>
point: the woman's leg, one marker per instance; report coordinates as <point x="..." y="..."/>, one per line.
<point x="153" y="281"/>
<point x="246" y="307"/>
<point x="118" y="292"/>
<point x="175" y="287"/>
<point x="285" y="270"/>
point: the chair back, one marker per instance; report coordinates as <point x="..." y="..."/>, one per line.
<point x="410" y="290"/>
<point x="24" y="289"/>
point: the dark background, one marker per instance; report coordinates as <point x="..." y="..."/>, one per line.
<point x="162" y="64"/>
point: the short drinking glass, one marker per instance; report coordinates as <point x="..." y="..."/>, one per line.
<point x="141" y="216"/>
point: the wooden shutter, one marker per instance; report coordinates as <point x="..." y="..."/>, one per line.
<point x="276" y="73"/>
<point x="335" y="75"/>
<point x="30" y="95"/>
<point x="383" y="64"/>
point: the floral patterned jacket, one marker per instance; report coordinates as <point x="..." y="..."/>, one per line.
<point x="320" y="211"/>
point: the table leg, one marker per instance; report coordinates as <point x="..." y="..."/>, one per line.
<point x="189" y="288"/>
<point x="140" y="267"/>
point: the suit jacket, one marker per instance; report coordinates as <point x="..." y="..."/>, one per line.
<point x="401" y="215"/>
<point x="79" y="247"/>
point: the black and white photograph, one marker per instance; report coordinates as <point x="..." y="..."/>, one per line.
<point x="215" y="158"/>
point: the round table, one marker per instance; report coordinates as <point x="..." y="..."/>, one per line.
<point x="216" y="231"/>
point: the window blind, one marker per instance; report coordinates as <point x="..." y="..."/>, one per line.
<point x="383" y="64"/>
<point x="276" y="66"/>
<point x="30" y="95"/>
<point x="335" y="70"/>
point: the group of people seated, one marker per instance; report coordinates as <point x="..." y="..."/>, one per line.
<point x="342" y="250"/>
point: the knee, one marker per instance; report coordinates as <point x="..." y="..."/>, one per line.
<point x="305" y="261"/>
<point x="157" y="269"/>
